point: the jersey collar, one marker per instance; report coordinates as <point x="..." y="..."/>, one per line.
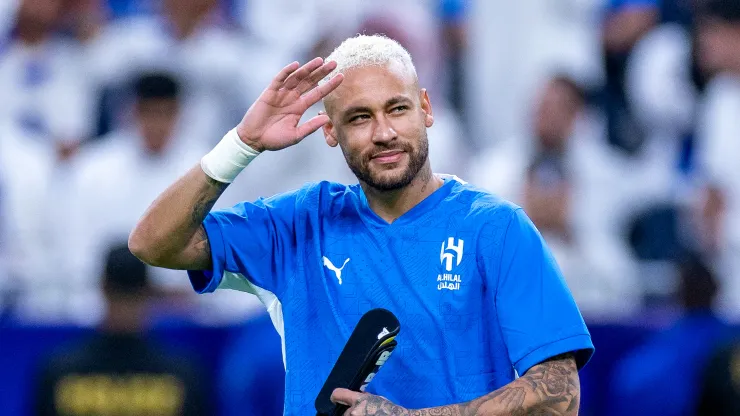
<point x="424" y="207"/>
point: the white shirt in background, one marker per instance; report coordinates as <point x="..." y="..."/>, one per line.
<point x="46" y="89"/>
<point x="718" y="143"/>
<point x="663" y="99"/>
<point x="27" y="165"/>
<point x="112" y="185"/>
<point x="212" y="64"/>
<point x="514" y="47"/>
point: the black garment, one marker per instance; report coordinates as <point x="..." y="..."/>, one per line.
<point x="115" y="374"/>
<point x="720" y="391"/>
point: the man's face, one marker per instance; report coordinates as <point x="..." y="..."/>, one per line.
<point x="379" y="118"/>
<point x="186" y="10"/>
<point x="556" y="114"/>
<point x="717" y="46"/>
<point x="42" y="14"/>
<point x="157" y="119"/>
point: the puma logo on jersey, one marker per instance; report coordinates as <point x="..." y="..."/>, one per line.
<point x="337" y="271"/>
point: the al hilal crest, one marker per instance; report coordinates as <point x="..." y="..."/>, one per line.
<point x="450" y="255"/>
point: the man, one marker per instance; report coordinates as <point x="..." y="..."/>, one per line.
<point x="491" y="304"/>
<point x="119" y="371"/>
<point x="38" y="70"/>
<point x="188" y="39"/>
<point x="717" y="145"/>
<point x="643" y="381"/>
<point x="112" y="182"/>
<point x="568" y="181"/>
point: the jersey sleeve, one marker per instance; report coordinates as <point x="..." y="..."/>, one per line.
<point x="536" y="312"/>
<point x="252" y="244"/>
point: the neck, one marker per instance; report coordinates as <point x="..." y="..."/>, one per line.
<point x="31" y="36"/>
<point x="185" y="27"/>
<point x="390" y="205"/>
<point x="124" y="318"/>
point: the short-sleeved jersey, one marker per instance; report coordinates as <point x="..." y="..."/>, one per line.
<point x="478" y="294"/>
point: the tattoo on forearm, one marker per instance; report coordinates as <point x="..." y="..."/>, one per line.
<point x="550" y="388"/>
<point x="203" y="246"/>
<point x="204" y="204"/>
<point x="201" y="208"/>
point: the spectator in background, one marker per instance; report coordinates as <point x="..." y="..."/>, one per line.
<point x="662" y="96"/>
<point x="190" y="40"/>
<point x="118" y="371"/>
<point x="44" y="80"/>
<point x="663" y="376"/>
<point x="26" y="172"/>
<point x="718" y="143"/>
<point x="625" y="23"/>
<point x="513" y="47"/>
<point x="720" y="388"/>
<point x="565" y="178"/>
<point x="113" y="183"/>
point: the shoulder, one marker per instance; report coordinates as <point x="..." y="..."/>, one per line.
<point x="325" y="194"/>
<point x="481" y="204"/>
<point x="490" y="215"/>
<point x="311" y="197"/>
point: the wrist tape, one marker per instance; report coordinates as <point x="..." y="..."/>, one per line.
<point x="230" y="156"/>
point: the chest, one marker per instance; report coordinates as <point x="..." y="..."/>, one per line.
<point x="426" y="276"/>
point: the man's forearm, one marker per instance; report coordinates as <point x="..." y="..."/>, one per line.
<point x="549" y="388"/>
<point x="170" y="233"/>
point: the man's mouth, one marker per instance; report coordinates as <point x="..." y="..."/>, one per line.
<point x="388" y="156"/>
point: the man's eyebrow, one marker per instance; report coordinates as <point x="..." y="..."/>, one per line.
<point x="361" y="108"/>
<point x="397" y="100"/>
<point x="355" y="109"/>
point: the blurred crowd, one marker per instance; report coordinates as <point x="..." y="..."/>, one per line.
<point x="612" y="122"/>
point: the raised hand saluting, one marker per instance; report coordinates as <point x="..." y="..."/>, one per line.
<point x="271" y="123"/>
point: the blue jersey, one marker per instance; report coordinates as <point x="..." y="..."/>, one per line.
<point x="478" y="294"/>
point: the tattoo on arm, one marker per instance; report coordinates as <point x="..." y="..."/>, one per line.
<point x="206" y="201"/>
<point x="201" y="247"/>
<point x="549" y="388"/>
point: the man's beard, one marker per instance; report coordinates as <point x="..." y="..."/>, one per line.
<point x="360" y="165"/>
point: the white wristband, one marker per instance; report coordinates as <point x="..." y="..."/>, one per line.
<point x="230" y="156"/>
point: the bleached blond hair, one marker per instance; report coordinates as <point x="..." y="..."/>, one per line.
<point x="370" y="50"/>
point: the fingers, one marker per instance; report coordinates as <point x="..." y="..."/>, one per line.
<point x="316" y="94"/>
<point x="312" y="125"/>
<point x="346" y="397"/>
<point x="284" y="73"/>
<point x="299" y="75"/>
<point x="312" y="81"/>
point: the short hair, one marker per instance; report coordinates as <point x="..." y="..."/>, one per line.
<point x="369" y="50"/>
<point x="156" y="85"/>
<point x="725" y="10"/>
<point x="124" y="273"/>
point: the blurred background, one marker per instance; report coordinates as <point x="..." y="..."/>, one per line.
<point x="614" y="123"/>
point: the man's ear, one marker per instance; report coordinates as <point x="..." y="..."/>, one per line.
<point x="330" y="134"/>
<point x="426" y="107"/>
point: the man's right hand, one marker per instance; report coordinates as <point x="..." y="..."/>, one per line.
<point x="271" y="123"/>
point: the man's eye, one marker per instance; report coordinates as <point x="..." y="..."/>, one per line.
<point x="400" y="108"/>
<point x="358" y="118"/>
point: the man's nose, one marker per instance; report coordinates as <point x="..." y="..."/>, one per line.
<point x="384" y="131"/>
